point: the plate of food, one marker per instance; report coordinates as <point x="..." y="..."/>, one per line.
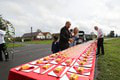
<point x="80" y="70"/>
<point x="73" y="76"/>
<point x="59" y="71"/>
<point x="82" y="63"/>
<point x="68" y="62"/>
<point x="44" y="68"/>
<point x="38" y="62"/>
<point x="57" y="61"/>
<point x="26" y="68"/>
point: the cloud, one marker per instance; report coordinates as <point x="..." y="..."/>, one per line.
<point x="51" y="15"/>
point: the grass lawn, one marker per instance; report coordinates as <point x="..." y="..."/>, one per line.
<point x="10" y="45"/>
<point x="109" y="64"/>
<point x="40" y="42"/>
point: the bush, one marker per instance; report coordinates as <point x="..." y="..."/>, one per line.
<point x="18" y="39"/>
<point x="27" y="39"/>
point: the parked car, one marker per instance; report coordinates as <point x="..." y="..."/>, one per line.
<point x="82" y="38"/>
<point x="88" y="37"/>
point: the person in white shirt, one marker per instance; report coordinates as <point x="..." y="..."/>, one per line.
<point x="100" y="40"/>
<point x="2" y="44"/>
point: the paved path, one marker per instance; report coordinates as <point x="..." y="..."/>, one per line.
<point x="23" y="55"/>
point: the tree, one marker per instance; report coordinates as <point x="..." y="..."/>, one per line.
<point x="116" y="35"/>
<point x="1" y="22"/>
<point x="8" y="27"/>
<point x="38" y="30"/>
<point x="112" y="34"/>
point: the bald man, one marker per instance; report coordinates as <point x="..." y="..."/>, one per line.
<point x="100" y="38"/>
<point x="65" y="36"/>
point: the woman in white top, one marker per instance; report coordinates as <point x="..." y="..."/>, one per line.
<point x="75" y="36"/>
<point x="2" y="44"/>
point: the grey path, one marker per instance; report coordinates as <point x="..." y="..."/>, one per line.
<point x="23" y="55"/>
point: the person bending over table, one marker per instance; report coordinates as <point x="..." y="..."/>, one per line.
<point x="65" y="36"/>
<point x="100" y="40"/>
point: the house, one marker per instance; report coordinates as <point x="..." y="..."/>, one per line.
<point x="37" y="36"/>
<point x="47" y="35"/>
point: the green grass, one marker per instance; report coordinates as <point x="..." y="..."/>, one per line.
<point x="40" y="42"/>
<point x="10" y="45"/>
<point x="109" y="64"/>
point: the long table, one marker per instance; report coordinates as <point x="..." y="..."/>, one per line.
<point x="84" y="52"/>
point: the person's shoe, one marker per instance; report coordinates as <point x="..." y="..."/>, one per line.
<point x="97" y="54"/>
<point x="103" y="54"/>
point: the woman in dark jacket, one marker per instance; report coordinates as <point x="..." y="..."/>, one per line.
<point x="55" y="45"/>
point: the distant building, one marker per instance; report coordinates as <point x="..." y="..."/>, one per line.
<point x="37" y="36"/>
<point x="47" y="35"/>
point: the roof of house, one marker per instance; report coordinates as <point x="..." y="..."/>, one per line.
<point x="56" y="34"/>
<point x="45" y="33"/>
<point x="29" y="34"/>
<point x="35" y="34"/>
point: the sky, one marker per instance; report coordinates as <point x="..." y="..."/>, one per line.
<point x="51" y="15"/>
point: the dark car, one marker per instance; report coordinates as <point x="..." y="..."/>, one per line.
<point x="88" y="37"/>
<point x="82" y="38"/>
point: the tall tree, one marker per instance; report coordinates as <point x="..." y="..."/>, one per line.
<point x="8" y="27"/>
<point x="38" y="30"/>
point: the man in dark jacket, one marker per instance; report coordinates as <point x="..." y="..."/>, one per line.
<point x="65" y="36"/>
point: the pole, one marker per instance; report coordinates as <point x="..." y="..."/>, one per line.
<point x="31" y="32"/>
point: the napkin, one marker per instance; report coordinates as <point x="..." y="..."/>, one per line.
<point x="53" y="62"/>
<point x="72" y="70"/>
<point x="88" y="65"/>
<point x="65" y="77"/>
<point x="37" y="70"/>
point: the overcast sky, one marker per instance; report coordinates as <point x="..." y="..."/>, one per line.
<point x="50" y="15"/>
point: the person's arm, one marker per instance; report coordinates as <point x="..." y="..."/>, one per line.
<point x="2" y="32"/>
<point x="52" y="47"/>
<point x="58" y="46"/>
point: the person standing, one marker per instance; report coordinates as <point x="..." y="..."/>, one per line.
<point x="75" y="37"/>
<point x="55" y="45"/>
<point x="2" y="45"/>
<point x="100" y="40"/>
<point x="65" y="36"/>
